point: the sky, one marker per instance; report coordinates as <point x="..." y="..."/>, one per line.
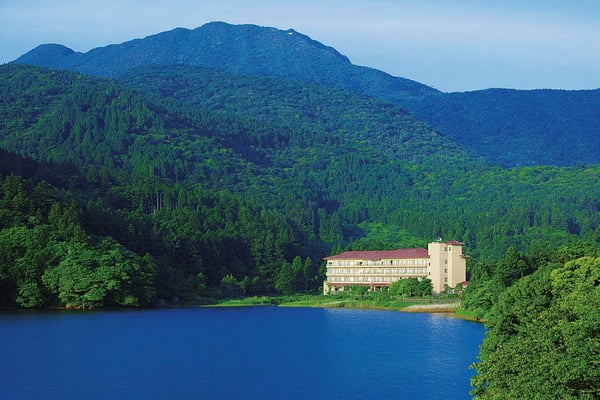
<point x="452" y="45"/>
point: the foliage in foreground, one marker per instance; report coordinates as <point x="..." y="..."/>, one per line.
<point x="46" y="258"/>
<point x="544" y="336"/>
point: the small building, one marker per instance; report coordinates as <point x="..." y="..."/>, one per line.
<point x="442" y="262"/>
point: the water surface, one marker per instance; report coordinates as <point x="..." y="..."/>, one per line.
<point x="236" y="353"/>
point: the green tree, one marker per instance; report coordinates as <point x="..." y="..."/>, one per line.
<point x="543" y="341"/>
<point x="230" y="286"/>
<point x="424" y="288"/>
<point x="286" y="280"/>
<point x="406" y="287"/>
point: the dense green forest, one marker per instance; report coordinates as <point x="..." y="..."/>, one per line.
<point x="543" y="338"/>
<point x="213" y="189"/>
<point x="508" y="127"/>
<point x="184" y="185"/>
<point x="135" y="241"/>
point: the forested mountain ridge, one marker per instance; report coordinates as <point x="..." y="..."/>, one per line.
<point x="509" y="138"/>
<point x="245" y="49"/>
<point x="508" y="127"/>
<point x="219" y="202"/>
<point x="91" y="121"/>
<point x="329" y="114"/>
<point x="519" y="127"/>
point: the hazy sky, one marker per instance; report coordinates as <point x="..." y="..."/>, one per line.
<point x="453" y="45"/>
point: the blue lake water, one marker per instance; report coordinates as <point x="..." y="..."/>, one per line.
<point x="236" y="353"/>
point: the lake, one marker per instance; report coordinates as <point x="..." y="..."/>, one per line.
<point x="236" y="353"/>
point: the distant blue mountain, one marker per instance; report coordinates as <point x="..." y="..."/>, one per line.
<point x="241" y="49"/>
<point x="519" y="127"/>
<point x="509" y="127"/>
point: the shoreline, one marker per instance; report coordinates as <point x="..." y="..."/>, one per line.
<point x="450" y="308"/>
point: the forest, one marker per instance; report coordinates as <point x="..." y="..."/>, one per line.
<point x="219" y="192"/>
<point x="186" y="185"/>
<point x="543" y="338"/>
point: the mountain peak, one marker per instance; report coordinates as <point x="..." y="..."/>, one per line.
<point x="242" y="49"/>
<point x="46" y="55"/>
<point x="288" y="42"/>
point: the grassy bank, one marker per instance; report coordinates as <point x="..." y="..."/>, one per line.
<point x="409" y="304"/>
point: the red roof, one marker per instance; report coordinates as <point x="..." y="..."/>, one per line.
<point x="418" y="252"/>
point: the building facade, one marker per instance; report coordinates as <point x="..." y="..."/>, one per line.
<point x="442" y="262"/>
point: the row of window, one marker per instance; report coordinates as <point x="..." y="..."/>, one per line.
<point x="365" y="279"/>
<point x="362" y="279"/>
<point x="353" y="263"/>
<point x="376" y="271"/>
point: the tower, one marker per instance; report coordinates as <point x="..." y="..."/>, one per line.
<point x="447" y="264"/>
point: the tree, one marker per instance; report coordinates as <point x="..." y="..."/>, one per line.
<point x="309" y="274"/>
<point x="230" y="286"/>
<point x="424" y="287"/>
<point x="101" y="275"/>
<point x="406" y="287"/>
<point x="286" y="280"/>
<point x="544" y="337"/>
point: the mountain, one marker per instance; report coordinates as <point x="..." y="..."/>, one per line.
<point x="508" y="127"/>
<point x="519" y="127"/>
<point x="246" y="49"/>
<point x="327" y="161"/>
<point x="339" y="113"/>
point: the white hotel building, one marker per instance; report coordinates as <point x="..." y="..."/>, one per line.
<point x="443" y="263"/>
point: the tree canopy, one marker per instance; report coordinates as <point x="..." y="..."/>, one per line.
<point x="205" y="186"/>
<point x="543" y="340"/>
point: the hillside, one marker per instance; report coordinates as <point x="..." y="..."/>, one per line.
<point x="329" y="114"/>
<point x="508" y="127"/>
<point x="327" y="163"/>
<point x="519" y="127"/>
<point x="150" y="180"/>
